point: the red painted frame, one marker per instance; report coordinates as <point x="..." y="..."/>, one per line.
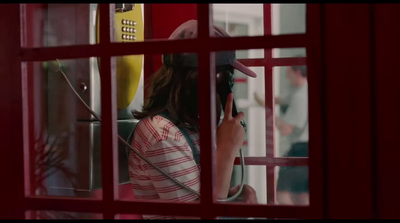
<point x="347" y="41"/>
<point x="386" y="121"/>
<point x="351" y="168"/>
<point x="207" y="208"/>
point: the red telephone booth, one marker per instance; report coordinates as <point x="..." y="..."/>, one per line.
<point x="54" y="167"/>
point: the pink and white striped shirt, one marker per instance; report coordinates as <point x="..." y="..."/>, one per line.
<point x="160" y="141"/>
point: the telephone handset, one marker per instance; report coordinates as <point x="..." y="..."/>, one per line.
<point x="225" y="84"/>
<point x="128" y="28"/>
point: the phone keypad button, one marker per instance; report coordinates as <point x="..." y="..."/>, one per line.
<point x="128" y="31"/>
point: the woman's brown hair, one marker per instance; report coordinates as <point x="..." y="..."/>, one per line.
<point x="175" y="90"/>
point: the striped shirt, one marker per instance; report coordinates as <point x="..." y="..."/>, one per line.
<point x="160" y="141"/>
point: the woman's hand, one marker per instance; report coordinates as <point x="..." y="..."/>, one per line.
<point x="230" y="134"/>
<point x="247" y="196"/>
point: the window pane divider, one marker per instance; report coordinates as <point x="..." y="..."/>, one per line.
<point x="162" y="46"/>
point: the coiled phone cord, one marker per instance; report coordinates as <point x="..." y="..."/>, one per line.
<point x="144" y="158"/>
<point x="233" y="197"/>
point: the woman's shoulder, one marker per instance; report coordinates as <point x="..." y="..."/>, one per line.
<point x="156" y="122"/>
<point x="156" y="128"/>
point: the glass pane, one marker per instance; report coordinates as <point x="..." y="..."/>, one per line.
<point x="249" y="54"/>
<point x="288" y="52"/>
<point x="158" y="139"/>
<point x="292" y="185"/>
<point x="145" y="138"/>
<point x="78" y="24"/>
<point x="254" y="144"/>
<point x="129" y="97"/>
<point x="239" y="19"/>
<point x="255" y="176"/>
<point x="67" y="137"/>
<point x="288" y="19"/>
<point x="244" y="89"/>
<point x="148" y="182"/>
<point x="60" y="24"/>
<point x="65" y="215"/>
<point x="291" y="109"/>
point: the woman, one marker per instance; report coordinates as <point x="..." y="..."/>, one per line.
<point x="171" y="105"/>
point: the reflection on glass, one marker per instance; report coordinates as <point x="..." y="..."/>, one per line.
<point x="292" y="185"/>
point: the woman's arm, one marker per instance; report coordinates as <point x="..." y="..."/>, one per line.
<point x="230" y="136"/>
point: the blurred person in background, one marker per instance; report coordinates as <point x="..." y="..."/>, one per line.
<point x="292" y="185"/>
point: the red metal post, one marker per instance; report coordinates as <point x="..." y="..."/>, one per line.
<point x="12" y="112"/>
<point x="207" y="113"/>
<point x="275" y="62"/>
<point x="347" y="72"/>
<point x="316" y="113"/>
<point x="269" y="107"/>
<point x="385" y="108"/>
<point x="109" y="142"/>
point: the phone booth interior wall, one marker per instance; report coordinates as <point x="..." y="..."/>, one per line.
<point x="162" y="24"/>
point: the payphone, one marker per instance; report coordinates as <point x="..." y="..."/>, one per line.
<point x="81" y="130"/>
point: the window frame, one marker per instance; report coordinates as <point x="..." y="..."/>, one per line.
<point x="110" y="206"/>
